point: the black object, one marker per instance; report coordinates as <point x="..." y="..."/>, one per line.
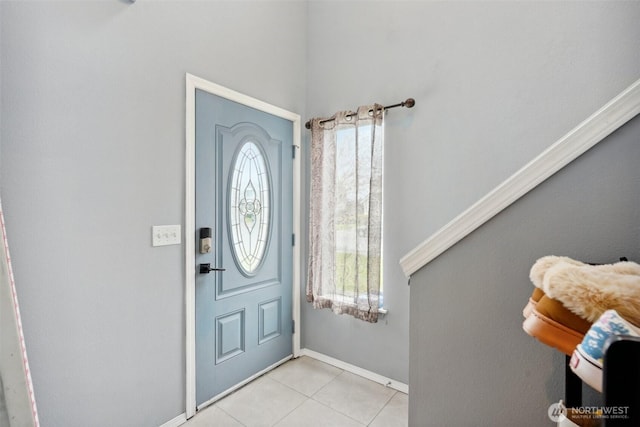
<point x="205" y="233"/>
<point x="621" y="381"/>
<point x="206" y="268"/>
<point x="409" y="103"/>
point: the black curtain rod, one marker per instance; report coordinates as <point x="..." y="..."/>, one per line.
<point x="409" y="103"/>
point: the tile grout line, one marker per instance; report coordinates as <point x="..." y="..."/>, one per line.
<point x="291" y="411"/>
<point x="338" y="412"/>
<point x="347" y="415"/>
<point x="383" y="406"/>
<point x="342" y="371"/>
<point x="318" y="390"/>
<point x="231" y="416"/>
<point x="292" y="389"/>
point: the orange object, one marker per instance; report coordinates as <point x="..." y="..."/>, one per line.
<point x="533" y="300"/>
<point x="554" y="325"/>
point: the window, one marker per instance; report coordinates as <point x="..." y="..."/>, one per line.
<point x="345" y="263"/>
<point x="249" y="211"/>
<point x="353" y="172"/>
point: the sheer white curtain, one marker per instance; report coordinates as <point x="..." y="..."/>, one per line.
<point x="345" y="247"/>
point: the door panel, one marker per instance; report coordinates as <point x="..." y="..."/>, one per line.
<point x="270" y="313"/>
<point x="244" y="193"/>
<point x="229" y="335"/>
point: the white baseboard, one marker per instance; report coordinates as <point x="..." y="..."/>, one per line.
<point x="387" y="382"/>
<point x="177" y="421"/>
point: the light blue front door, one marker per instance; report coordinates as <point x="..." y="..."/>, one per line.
<point x="244" y="196"/>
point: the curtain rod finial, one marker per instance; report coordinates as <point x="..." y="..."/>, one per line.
<point x="409" y="103"/>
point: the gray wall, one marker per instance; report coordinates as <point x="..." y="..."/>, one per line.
<point x="471" y="362"/>
<point x="495" y="84"/>
<point x="92" y="148"/>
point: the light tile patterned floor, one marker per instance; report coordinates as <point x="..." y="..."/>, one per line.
<point x="309" y="393"/>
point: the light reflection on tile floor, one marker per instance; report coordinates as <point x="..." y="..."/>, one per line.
<point x="306" y="392"/>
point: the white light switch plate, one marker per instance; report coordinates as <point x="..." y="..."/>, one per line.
<point x="163" y="235"/>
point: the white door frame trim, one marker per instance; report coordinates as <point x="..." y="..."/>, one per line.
<point x="193" y="83"/>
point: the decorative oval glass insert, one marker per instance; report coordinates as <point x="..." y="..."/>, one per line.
<point x="249" y="209"/>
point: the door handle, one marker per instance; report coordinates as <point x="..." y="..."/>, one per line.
<point x="206" y="268"/>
